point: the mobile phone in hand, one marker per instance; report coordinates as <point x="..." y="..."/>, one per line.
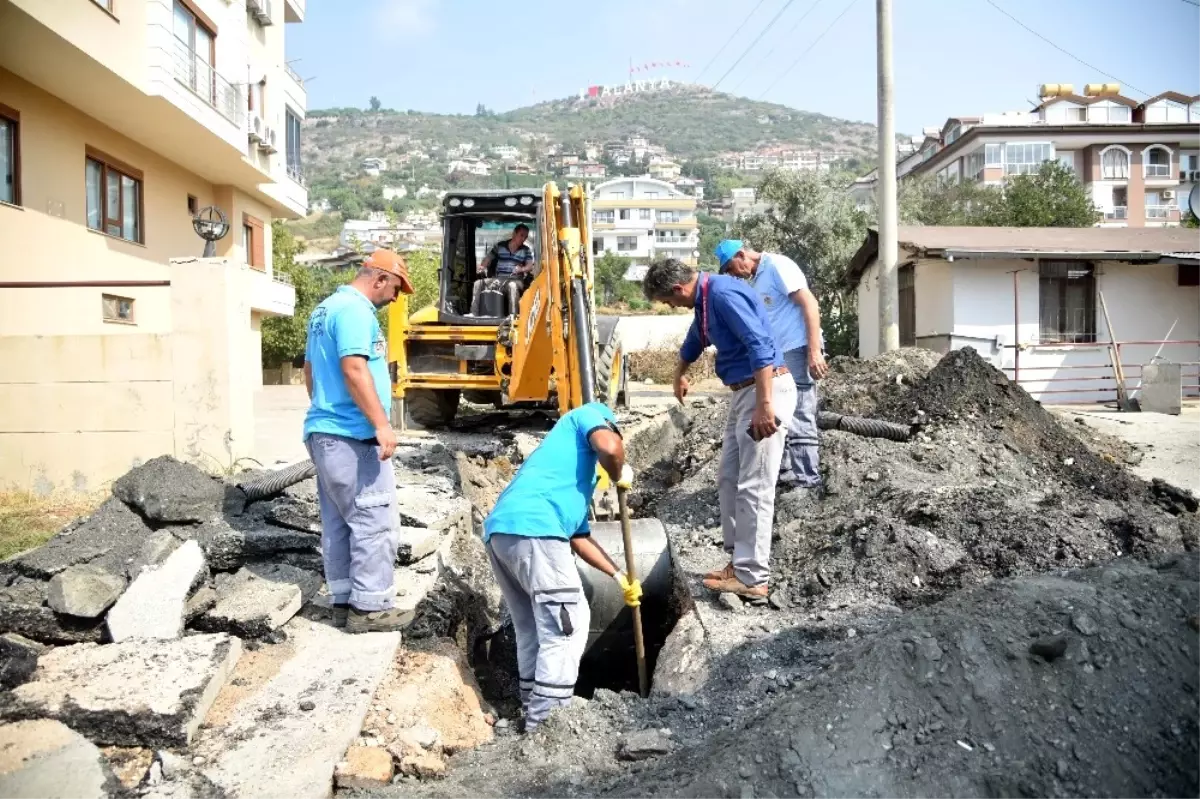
<point x="754" y="435"/>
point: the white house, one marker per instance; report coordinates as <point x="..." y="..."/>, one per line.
<point x="373" y="165"/>
<point x="644" y="218"/>
<point x="395" y="192"/>
<point x="1033" y="301"/>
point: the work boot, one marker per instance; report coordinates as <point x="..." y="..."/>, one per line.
<point x="735" y="586"/>
<point x="340" y="612"/>
<point x="377" y="621"/>
<point x="721" y="574"/>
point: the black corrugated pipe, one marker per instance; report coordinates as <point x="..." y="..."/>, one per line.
<point x="868" y="428"/>
<point x="271" y="484"/>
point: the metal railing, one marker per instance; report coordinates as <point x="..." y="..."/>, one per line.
<point x="206" y="83"/>
<point x="1117" y="212"/>
<point x="1158" y="170"/>
<point x="1098" y="370"/>
<point x="281" y="277"/>
<point x="296" y="173"/>
<point x="293" y="75"/>
<point x="1158" y="211"/>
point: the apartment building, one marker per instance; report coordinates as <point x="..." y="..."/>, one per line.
<point x="645" y="218"/>
<point x="1139" y="160"/>
<point x="120" y="121"/>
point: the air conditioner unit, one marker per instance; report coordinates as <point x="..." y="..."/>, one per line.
<point x="255" y="126"/>
<point x="1168" y="195"/>
<point x="1194" y="176"/>
<point x="261" y="9"/>
<point x="267" y="144"/>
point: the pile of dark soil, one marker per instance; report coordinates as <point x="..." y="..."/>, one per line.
<point x="1082" y="684"/>
<point x="993" y="485"/>
<point x="858" y="387"/>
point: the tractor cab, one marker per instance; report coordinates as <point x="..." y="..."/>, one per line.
<point x="475" y="225"/>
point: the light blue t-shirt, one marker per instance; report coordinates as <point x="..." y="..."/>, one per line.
<point x="344" y="324"/>
<point x="550" y="494"/>
<point x="776" y="278"/>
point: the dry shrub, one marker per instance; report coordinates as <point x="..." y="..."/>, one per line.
<point x="659" y="365"/>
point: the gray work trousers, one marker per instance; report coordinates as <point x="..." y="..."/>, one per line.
<point x="550" y="615"/>
<point x="801" y="464"/>
<point x="746" y="485"/>
<point x="359" y="534"/>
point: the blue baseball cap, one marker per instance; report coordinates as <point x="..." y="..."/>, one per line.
<point x="726" y="250"/>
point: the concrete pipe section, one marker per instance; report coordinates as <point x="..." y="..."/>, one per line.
<point x="609" y="660"/>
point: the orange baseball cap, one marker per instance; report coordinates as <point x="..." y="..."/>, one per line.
<point x="393" y="263"/>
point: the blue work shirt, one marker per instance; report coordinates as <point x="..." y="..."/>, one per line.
<point x="775" y="280"/>
<point x="737" y="326"/>
<point x="344" y="324"/>
<point x="550" y="494"/>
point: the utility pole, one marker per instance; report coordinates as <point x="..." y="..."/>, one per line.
<point x="889" y="250"/>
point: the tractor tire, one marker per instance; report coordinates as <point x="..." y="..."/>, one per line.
<point x="479" y="397"/>
<point x="611" y="372"/>
<point x="432" y="408"/>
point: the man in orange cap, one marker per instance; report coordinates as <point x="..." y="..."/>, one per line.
<point x="350" y="438"/>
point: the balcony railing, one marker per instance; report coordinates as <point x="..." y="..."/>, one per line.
<point x="1158" y="211"/>
<point x="1117" y="213"/>
<point x="293" y="75"/>
<point x="206" y="83"/>
<point x="1158" y="170"/>
<point x="296" y="173"/>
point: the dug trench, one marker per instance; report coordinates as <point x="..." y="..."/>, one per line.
<point x="994" y="607"/>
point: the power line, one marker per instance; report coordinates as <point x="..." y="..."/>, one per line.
<point x="1064" y="50"/>
<point x="799" y="58"/>
<point x="730" y="39"/>
<point x="773" y="47"/>
<point x="754" y="41"/>
<point x="1192" y="3"/>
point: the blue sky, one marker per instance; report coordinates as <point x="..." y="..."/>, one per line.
<point x="951" y="56"/>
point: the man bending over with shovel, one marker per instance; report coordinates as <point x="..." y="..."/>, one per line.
<point x="538" y="524"/>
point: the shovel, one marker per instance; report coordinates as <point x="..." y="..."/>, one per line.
<point x="639" y="644"/>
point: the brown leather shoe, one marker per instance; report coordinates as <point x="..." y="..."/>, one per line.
<point x="721" y="574"/>
<point x="735" y="586"/>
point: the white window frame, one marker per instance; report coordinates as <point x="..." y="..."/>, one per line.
<point x="987" y="155"/>
<point x="1146" y="162"/>
<point x="1067" y="159"/>
<point x="1128" y="161"/>
<point x="1024" y="167"/>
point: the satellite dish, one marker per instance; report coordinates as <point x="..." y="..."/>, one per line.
<point x="211" y="225"/>
<point x="1194" y="200"/>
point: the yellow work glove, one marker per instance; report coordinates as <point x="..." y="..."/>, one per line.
<point x="625" y="481"/>
<point x="602" y="479"/>
<point x="631" y="590"/>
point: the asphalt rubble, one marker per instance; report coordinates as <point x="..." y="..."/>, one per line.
<point x="123" y="632"/>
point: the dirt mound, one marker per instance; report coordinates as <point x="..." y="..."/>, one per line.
<point x="992" y="486"/>
<point x="858" y="387"/>
<point x="1082" y="684"/>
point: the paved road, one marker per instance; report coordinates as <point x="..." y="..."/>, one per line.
<point x="1171" y="443"/>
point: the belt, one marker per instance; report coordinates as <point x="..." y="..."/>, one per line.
<point x="779" y="372"/>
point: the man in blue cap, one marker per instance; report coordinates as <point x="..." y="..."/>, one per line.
<point x="796" y="324"/>
<point x="538" y="525"/>
<point x="729" y="316"/>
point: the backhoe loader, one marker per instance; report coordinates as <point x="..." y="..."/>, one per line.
<point x="512" y="343"/>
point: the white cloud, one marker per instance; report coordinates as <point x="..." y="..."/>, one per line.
<point x="405" y="16"/>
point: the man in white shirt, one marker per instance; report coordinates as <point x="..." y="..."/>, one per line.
<point x="793" y="312"/>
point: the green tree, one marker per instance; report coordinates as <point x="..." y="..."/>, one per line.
<point x="712" y="230"/>
<point x="283" y="337"/>
<point x="423" y="266"/>
<point x="1051" y="197"/>
<point x="609" y="275"/>
<point x="815" y="223"/>
<point x="375" y="104"/>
